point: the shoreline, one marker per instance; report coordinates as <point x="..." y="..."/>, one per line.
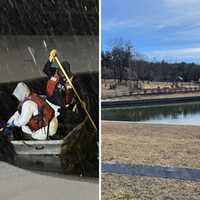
<point x="120" y="102"/>
<point x="150" y="123"/>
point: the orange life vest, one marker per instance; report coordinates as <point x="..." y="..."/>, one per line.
<point x="52" y="84"/>
<point x="45" y="113"/>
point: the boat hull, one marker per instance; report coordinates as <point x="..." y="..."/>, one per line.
<point x="32" y="147"/>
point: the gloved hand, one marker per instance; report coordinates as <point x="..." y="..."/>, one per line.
<point x="52" y="55"/>
<point x="12" y="125"/>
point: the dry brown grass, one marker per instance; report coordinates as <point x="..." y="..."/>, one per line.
<point x="170" y="145"/>
<point x="147" y="188"/>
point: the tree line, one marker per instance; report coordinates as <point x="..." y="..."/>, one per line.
<point x="122" y="63"/>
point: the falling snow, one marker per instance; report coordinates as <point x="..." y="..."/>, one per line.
<point x="30" y="29"/>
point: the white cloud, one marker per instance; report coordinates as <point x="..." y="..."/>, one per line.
<point x="173" y="24"/>
<point x="182" y="20"/>
<point x="182" y="2"/>
<point x="186" y="52"/>
<point x="117" y="24"/>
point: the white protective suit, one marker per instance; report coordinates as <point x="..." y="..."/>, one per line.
<point x="29" y="109"/>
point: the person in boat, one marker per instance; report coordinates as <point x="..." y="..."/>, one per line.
<point x="35" y="117"/>
<point x="60" y="94"/>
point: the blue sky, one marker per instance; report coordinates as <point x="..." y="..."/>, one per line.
<point x="159" y="29"/>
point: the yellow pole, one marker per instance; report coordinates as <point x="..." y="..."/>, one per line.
<point x="76" y="93"/>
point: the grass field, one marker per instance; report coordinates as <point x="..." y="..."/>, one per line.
<point x="171" y="145"/>
<point x="167" y="145"/>
<point x="119" y="187"/>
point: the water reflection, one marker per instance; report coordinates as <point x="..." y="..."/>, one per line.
<point x="188" y="113"/>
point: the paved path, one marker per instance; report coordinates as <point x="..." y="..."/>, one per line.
<point x="19" y="184"/>
<point x="154" y="171"/>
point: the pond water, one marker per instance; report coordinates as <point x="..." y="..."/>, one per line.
<point x="23" y="56"/>
<point x="187" y="113"/>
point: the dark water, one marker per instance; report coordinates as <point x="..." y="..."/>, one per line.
<point x="22" y="57"/>
<point x="188" y="113"/>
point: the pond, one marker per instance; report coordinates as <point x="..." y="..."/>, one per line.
<point x="186" y="113"/>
